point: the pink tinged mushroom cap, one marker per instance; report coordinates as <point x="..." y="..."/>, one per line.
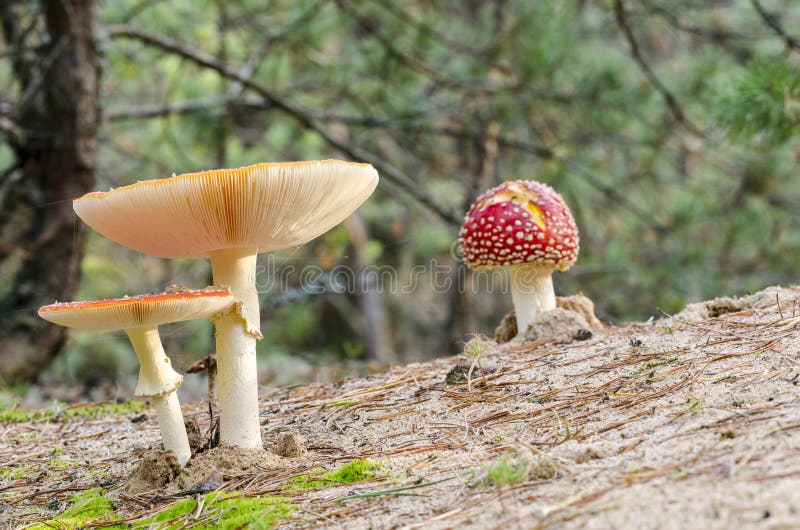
<point x="139" y="311"/>
<point x="263" y="207"/>
<point x="522" y="221"/>
<point x="146" y="311"/>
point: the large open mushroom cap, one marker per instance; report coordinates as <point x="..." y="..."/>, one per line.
<point x="139" y="311"/>
<point x="266" y="206"/>
<point x="519" y="222"/>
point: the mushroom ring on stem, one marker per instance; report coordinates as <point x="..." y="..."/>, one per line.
<point x="526" y="226"/>
<point x="230" y="216"/>
<point x="140" y="317"/>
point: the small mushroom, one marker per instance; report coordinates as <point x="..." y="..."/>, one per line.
<point x="207" y="364"/>
<point x="230" y="216"/>
<point x="526" y="226"/>
<point x="140" y="317"/>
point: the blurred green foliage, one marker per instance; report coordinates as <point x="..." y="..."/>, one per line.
<point x="762" y="101"/>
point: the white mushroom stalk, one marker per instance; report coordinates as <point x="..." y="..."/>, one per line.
<point x="229" y="216"/>
<point x="237" y="367"/>
<point x="531" y="292"/>
<point x="159" y="381"/>
<point x="140" y="316"/>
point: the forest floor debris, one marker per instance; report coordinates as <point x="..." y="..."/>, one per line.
<point x="691" y="421"/>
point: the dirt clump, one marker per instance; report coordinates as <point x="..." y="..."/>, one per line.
<point x="586" y="455"/>
<point x="766" y="299"/>
<point x="196" y="439"/>
<point x="582" y="305"/>
<point x="460" y="373"/>
<point x="578" y="304"/>
<point x="160" y="469"/>
<point x="507" y="329"/>
<point x="554" y="324"/>
<point x="289" y="445"/>
<point x="543" y="468"/>
<point x="230" y="461"/>
<point x="156" y="470"/>
<point x="457" y="374"/>
<point x="710" y="309"/>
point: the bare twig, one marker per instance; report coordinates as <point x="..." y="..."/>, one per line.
<point x="770" y="20"/>
<point x="168" y="109"/>
<point x="674" y="107"/>
<point x="393" y="174"/>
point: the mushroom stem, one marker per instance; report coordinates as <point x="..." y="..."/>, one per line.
<point x="237" y="370"/>
<point x="173" y="430"/>
<point x="212" y="384"/>
<point x="531" y="291"/>
<point x="155" y="375"/>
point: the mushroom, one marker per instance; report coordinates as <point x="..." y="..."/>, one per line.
<point x="140" y="317"/>
<point x="207" y="364"/>
<point x="229" y="216"/>
<point x="526" y="226"/>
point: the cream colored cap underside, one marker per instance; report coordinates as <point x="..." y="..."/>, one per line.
<point x="136" y="312"/>
<point x="266" y="206"/>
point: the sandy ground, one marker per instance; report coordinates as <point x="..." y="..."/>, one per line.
<point x="684" y="422"/>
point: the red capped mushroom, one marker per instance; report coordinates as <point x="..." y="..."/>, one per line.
<point x="140" y="317"/>
<point x="526" y="226"/>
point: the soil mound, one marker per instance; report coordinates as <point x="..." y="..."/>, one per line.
<point x="156" y="469"/>
<point x="229" y="462"/>
<point x="572" y="314"/>
<point x="766" y="299"/>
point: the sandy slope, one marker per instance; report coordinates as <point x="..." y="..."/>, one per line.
<point x="688" y="422"/>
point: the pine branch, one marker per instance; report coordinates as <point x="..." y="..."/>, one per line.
<point x="763" y="101"/>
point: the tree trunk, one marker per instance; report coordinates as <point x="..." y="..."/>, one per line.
<point x="55" y="122"/>
<point x="458" y="309"/>
<point x="377" y="333"/>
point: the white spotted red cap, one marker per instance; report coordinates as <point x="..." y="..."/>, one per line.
<point x="522" y="221"/>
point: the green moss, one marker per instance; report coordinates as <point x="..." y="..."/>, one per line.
<point x="11" y="474"/>
<point x="694" y="405"/>
<point x="653" y="364"/>
<point x="179" y="510"/>
<point x="353" y="471"/>
<point x="81" y="412"/>
<point x="106" y="409"/>
<point x="640" y="470"/>
<point x="225" y="511"/>
<point x="506" y="470"/>
<point x="338" y="404"/>
<point x="18" y="416"/>
<point x="60" y="463"/>
<point x="86" y="509"/>
<point x="90" y="503"/>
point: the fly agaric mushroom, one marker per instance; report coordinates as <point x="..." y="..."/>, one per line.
<point x="229" y="216"/>
<point x="526" y="226"/>
<point x="140" y="317"/>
